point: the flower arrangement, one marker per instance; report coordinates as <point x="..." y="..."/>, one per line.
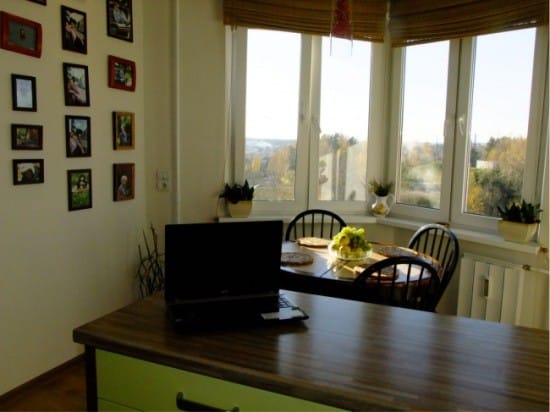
<point x="380" y="188"/>
<point x="350" y="243"/>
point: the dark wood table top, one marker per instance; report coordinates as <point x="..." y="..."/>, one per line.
<point x="349" y="354"/>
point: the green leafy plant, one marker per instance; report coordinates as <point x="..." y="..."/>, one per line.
<point x="523" y="212"/>
<point x="236" y="192"/>
<point x="380" y="188"/>
<point x="150" y="272"/>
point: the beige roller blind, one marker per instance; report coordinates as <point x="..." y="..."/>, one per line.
<point x="306" y="16"/>
<point x="422" y="21"/>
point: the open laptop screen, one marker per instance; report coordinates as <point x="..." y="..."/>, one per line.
<point x="213" y="261"/>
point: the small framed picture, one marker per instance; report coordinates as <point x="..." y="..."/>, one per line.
<point x="28" y="171"/>
<point x="77" y="85"/>
<point x="123" y="131"/>
<point x="122" y="73"/>
<point x="74" y="30"/>
<point x="23" y="89"/>
<point x="120" y="19"/>
<point x="26" y="137"/>
<point x="123" y="181"/>
<point x="79" y="188"/>
<point x="20" y="35"/>
<point x="78" y="136"/>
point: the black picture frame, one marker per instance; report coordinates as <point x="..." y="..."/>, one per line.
<point x="28" y="171"/>
<point x="76" y="84"/>
<point x="23" y="90"/>
<point x="27" y="137"/>
<point x="78" y="136"/>
<point x="73" y="28"/>
<point x="120" y="19"/>
<point x="123" y="181"/>
<point x="79" y="189"/>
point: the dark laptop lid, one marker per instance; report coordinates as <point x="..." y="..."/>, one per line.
<point x="211" y="262"/>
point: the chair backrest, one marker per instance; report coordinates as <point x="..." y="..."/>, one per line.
<point x="314" y="223"/>
<point x="404" y="281"/>
<point x="442" y="244"/>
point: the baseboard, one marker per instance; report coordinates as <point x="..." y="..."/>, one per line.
<point x="40" y="379"/>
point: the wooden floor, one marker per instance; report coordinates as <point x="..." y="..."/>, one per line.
<point x="62" y="389"/>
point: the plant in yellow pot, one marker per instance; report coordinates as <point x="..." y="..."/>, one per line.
<point x="238" y="198"/>
<point x="519" y="221"/>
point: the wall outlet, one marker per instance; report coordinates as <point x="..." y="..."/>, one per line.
<point x="163" y="181"/>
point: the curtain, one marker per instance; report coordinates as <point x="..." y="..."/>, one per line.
<point x="410" y="21"/>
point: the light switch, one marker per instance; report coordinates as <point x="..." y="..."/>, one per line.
<point x="163" y="181"/>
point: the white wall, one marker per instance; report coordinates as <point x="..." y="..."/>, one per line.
<point x="60" y="269"/>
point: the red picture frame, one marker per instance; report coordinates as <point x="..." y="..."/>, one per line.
<point x="20" y="35"/>
<point x="122" y="73"/>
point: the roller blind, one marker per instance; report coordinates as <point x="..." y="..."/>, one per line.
<point x="306" y="16"/>
<point x="422" y="21"/>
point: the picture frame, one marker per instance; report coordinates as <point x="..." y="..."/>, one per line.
<point x="122" y="73"/>
<point x="28" y="171"/>
<point x="79" y="189"/>
<point x="23" y="89"/>
<point x="77" y="84"/>
<point x="20" y="35"/>
<point x="27" y="137"/>
<point x="123" y="131"/>
<point x="120" y="19"/>
<point x="78" y="136"/>
<point x="73" y="29"/>
<point x="123" y="181"/>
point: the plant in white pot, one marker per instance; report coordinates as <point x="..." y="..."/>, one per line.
<point x="383" y="200"/>
<point x="519" y="221"/>
<point x="238" y="198"/>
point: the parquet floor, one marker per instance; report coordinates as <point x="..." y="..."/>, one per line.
<point x="63" y="389"/>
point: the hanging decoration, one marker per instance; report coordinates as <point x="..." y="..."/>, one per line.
<point x="341" y="23"/>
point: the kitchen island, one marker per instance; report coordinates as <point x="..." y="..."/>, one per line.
<point x="348" y="355"/>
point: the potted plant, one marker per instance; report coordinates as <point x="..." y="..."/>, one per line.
<point x="519" y="221"/>
<point x="150" y="272"/>
<point x="383" y="198"/>
<point x="238" y="198"/>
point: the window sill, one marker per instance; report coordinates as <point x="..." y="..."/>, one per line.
<point x="462" y="234"/>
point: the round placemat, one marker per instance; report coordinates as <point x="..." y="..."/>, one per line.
<point x="295" y="259"/>
<point x="313" y="242"/>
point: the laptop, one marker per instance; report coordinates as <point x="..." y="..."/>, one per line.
<point x="225" y="274"/>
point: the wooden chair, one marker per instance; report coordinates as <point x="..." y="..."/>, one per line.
<point x="442" y="244"/>
<point x="404" y="281"/>
<point x="314" y="223"/>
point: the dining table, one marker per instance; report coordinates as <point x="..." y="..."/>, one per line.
<point x="310" y="265"/>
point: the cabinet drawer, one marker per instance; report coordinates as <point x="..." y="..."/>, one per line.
<point x="144" y="385"/>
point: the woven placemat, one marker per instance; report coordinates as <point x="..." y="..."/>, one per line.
<point x="295" y="259"/>
<point x="316" y="242"/>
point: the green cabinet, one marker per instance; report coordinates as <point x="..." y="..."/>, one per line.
<point x="125" y="383"/>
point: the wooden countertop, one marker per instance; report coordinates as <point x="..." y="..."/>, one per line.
<point x="349" y="354"/>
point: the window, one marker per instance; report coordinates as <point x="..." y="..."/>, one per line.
<point x="305" y="120"/>
<point x="461" y="145"/>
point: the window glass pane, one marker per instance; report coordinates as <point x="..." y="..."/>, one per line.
<point x="345" y="77"/>
<point x="424" y="103"/>
<point x="500" y="115"/>
<point x="272" y="86"/>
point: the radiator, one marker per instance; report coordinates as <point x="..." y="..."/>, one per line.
<point x="503" y="292"/>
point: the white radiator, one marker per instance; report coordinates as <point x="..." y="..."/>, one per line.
<point x="503" y="292"/>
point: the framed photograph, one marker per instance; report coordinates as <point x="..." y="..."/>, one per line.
<point x="26" y="137"/>
<point x="123" y="131"/>
<point x="43" y="2"/>
<point x="120" y="19"/>
<point x="74" y="30"/>
<point x="20" y="35"/>
<point x="79" y="188"/>
<point x="78" y="136"/>
<point x="23" y="92"/>
<point x="28" y="171"/>
<point x="77" y="85"/>
<point x="122" y="73"/>
<point x="123" y="181"/>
